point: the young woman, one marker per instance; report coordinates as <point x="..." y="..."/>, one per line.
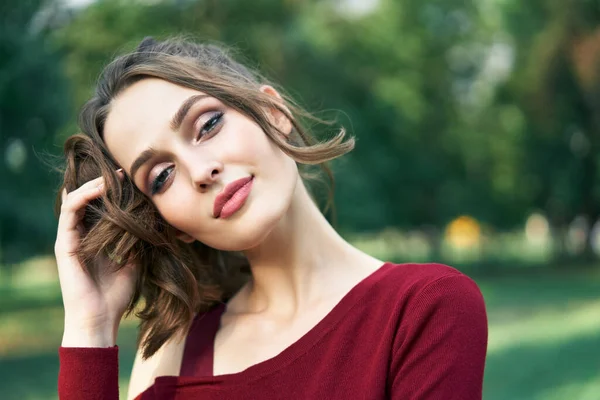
<point x="185" y="191"/>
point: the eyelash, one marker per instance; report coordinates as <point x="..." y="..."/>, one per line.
<point x="213" y="122"/>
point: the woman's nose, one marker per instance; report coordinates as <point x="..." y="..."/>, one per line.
<point x="205" y="173"/>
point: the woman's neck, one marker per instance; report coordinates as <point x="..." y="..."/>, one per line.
<point x="302" y="261"/>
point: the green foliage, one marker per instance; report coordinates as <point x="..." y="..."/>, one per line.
<point x="33" y="105"/>
<point x="556" y="86"/>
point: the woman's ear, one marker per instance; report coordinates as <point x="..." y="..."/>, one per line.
<point x="279" y="119"/>
<point x="184" y="237"/>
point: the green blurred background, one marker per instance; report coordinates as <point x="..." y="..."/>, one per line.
<point x="478" y="126"/>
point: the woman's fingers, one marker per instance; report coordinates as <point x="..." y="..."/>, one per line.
<point x="81" y="196"/>
<point x="75" y="201"/>
<point x="88" y="185"/>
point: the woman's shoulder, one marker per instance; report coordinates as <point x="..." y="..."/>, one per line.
<point x="410" y="282"/>
<point x="416" y="274"/>
<point x="173" y="357"/>
<point x="424" y="298"/>
<point x="165" y="362"/>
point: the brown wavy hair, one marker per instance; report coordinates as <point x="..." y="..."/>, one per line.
<point x="176" y="280"/>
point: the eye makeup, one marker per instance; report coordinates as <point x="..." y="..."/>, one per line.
<point x="206" y="126"/>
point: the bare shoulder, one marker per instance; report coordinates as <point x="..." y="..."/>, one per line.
<point x="165" y="362"/>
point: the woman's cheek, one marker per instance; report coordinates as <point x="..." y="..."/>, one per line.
<point x="246" y="143"/>
<point x="177" y="213"/>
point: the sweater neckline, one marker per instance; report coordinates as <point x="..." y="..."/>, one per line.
<point x="212" y="321"/>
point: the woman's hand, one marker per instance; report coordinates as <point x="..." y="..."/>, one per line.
<point x="93" y="310"/>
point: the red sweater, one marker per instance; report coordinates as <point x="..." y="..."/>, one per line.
<point x="408" y="331"/>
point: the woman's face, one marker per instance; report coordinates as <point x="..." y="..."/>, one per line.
<point x="183" y="148"/>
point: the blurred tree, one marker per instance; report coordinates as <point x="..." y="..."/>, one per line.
<point x="389" y="70"/>
<point x="557" y="84"/>
<point x="33" y="105"/>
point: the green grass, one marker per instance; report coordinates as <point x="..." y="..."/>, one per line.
<point x="544" y="339"/>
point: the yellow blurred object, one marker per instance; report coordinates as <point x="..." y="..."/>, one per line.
<point x="463" y="232"/>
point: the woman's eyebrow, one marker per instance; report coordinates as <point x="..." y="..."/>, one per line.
<point x="179" y="116"/>
<point x="141" y="160"/>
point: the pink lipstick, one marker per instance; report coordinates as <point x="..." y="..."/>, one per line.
<point x="232" y="198"/>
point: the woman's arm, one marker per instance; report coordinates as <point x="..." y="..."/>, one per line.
<point x="441" y="343"/>
<point x="93" y="307"/>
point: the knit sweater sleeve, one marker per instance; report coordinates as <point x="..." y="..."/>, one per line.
<point x="88" y="373"/>
<point x="441" y="343"/>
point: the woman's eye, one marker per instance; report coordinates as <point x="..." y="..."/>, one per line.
<point x="213" y="122"/>
<point x="160" y="180"/>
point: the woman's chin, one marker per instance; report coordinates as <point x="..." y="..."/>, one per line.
<point x="245" y="234"/>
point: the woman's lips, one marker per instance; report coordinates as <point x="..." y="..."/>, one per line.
<point x="232" y="198"/>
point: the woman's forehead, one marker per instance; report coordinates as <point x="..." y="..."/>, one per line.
<point x="140" y="115"/>
<point x="148" y="99"/>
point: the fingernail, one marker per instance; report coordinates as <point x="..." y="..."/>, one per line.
<point x="101" y="186"/>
